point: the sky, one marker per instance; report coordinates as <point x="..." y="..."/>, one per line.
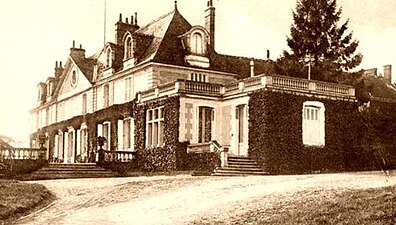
<point x="37" y="33"/>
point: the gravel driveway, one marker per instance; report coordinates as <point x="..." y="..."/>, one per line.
<point x="180" y="199"/>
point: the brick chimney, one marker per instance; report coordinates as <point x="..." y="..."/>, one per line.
<point x="210" y="22"/>
<point x="123" y="27"/>
<point x="77" y="53"/>
<point x="388" y="73"/>
<point x="58" y="69"/>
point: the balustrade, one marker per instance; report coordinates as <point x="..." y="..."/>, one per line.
<point x="23" y="153"/>
<point x="199" y="87"/>
<point x="119" y="156"/>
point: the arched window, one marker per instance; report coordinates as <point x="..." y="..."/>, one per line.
<point x="197" y="46"/>
<point x="313" y="123"/>
<point x="108" y="58"/>
<point x="128" y="48"/>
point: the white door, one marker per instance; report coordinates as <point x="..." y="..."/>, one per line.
<point x="241" y="130"/>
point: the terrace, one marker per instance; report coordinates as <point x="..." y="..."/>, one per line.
<point x="272" y="82"/>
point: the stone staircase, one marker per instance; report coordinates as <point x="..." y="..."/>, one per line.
<point x="68" y="171"/>
<point x="239" y="166"/>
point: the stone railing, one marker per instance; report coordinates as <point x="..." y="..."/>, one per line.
<point x="200" y="87"/>
<point x="247" y="85"/>
<point x="117" y="156"/>
<point x="23" y="153"/>
<point x="304" y="85"/>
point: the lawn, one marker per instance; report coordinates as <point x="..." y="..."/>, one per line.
<point x="18" y="198"/>
<point x="334" y="206"/>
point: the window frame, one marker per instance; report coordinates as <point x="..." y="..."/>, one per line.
<point x="199" y="123"/>
<point x="106" y="95"/>
<point x="155" y="127"/>
<point x="313" y="114"/>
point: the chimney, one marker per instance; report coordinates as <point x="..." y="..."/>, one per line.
<point x="388" y="73"/>
<point x="77" y="53"/>
<point x="252" y="67"/>
<point x="210" y="23"/>
<point x="123" y="27"/>
<point x="58" y="70"/>
<point x="268" y="54"/>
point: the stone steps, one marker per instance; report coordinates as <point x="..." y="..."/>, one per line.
<point x="239" y="166"/>
<point x="69" y="171"/>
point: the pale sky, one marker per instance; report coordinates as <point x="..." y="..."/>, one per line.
<point x="37" y="33"/>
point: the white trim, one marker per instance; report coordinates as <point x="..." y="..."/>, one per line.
<point x="306" y="138"/>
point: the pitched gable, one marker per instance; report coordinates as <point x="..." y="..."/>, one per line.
<point x="73" y="80"/>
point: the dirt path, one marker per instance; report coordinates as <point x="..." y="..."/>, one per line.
<point x="180" y="199"/>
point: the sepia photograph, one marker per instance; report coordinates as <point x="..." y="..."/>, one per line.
<point x="198" y="112"/>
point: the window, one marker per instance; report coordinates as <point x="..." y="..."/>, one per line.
<point x="108" y="58"/>
<point x="197" y="44"/>
<point x="128" y="48"/>
<point x="155" y="127"/>
<point x="83" y="144"/>
<point x="106" y="134"/>
<point x="106" y="99"/>
<point x="127" y="134"/>
<point x="74" y="78"/>
<point x="128" y="89"/>
<point x="205" y="123"/>
<point x="198" y="77"/>
<point x="84" y="103"/>
<point x="313" y="123"/>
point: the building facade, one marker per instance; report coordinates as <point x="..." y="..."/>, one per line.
<point x="164" y="84"/>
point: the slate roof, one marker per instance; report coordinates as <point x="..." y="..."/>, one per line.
<point x="375" y="87"/>
<point x="87" y="67"/>
<point x="160" y="41"/>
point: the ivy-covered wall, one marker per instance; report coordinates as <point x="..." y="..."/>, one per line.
<point x="275" y="134"/>
<point x="161" y="158"/>
<point x="377" y="134"/>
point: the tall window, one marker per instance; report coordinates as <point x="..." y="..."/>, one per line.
<point x="106" y="134"/>
<point x="84" y="104"/>
<point x="313" y="123"/>
<point x="128" y="48"/>
<point x="197" y="44"/>
<point x="108" y="58"/>
<point x="155" y="127"/>
<point x="127" y="134"/>
<point x="106" y="99"/>
<point x="205" y="123"/>
<point x="83" y="144"/>
<point x="128" y="89"/>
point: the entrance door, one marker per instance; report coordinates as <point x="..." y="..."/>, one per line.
<point x="241" y="128"/>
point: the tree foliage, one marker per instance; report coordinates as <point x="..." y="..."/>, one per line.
<point x="316" y="36"/>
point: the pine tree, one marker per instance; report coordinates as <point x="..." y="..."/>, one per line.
<point x="317" y="37"/>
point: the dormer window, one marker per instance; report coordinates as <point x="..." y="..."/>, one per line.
<point x="128" y="48"/>
<point x="195" y="42"/>
<point x="197" y="45"/>
<point x="108" y="58"/>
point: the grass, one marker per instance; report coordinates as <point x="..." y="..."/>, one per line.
<point x="17" y="199"/>
<point x="371" y="206"/>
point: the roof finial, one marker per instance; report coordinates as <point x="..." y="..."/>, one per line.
<point x="175" y="4"/>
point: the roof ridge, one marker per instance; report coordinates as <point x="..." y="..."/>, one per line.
<point x="242" y="57"/>
<point x="156" y="20"/>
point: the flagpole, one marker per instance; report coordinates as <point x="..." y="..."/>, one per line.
<point x="104" y="24"/>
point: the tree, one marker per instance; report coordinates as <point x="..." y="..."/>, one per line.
<point x="317" y="38"/>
